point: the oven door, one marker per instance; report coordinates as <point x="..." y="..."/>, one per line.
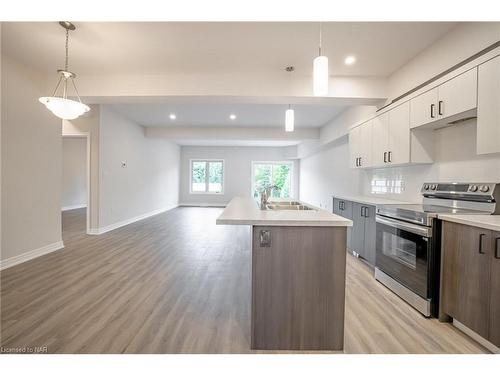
<point x="403" y="251"/>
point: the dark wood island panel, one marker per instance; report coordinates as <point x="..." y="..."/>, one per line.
<point x="298" y="288"/>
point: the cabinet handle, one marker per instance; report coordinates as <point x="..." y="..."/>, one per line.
<point x="497" y="248"/>
<point x="432" y="111"/>
<point x="440" y="107"/>
<point x="357" y="164"/>
<point x="385" y="157"/>
<point x="366" y="212"/>
<point x="343" y="205"/>
<point x="362" y="207"/>
<point x="481" y="243"/>
<point x="389" y="154"/>
<point x="360" y="161"/>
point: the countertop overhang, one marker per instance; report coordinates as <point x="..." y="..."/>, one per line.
<point x="491" y="222"/>
<point x="245" y="211"/>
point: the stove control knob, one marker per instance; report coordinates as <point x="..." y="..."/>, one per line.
<point x="426" y="187"/>
<point x="433" y="187"/>
<point x="473" y="188"/>
<point x="484" y="188"/>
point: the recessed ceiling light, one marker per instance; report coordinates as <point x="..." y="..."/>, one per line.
<point x="232" y="116"/>
<point x="172" y="116"/>
<point x="349" y="60"/>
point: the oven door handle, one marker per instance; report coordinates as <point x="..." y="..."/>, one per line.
<point x="412" y="228"/>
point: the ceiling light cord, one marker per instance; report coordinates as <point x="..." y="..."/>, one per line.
<point x="320" y="37"/>
<point x="66" y="65"/>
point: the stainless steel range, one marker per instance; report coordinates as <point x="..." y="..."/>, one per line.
<point x="408" y="238"/>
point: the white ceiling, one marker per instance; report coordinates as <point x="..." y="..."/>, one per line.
<point x="217" y="114"/>
<point x="215" y="47"/>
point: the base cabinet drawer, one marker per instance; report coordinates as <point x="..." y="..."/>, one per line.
<point x="470" y="279"/>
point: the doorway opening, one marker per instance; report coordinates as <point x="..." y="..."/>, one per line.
<point x="75" y="191"/>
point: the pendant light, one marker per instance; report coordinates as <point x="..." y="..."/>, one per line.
<point x="289" y="119"/>
<point x="320" y="71"/>
<point x="289" y="113"/>
<point x="61" y="106"/>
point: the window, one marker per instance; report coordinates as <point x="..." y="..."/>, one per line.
<point x="207" y="176"/>
<point x="272" y="173"/>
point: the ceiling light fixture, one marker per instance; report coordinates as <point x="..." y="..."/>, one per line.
<point x="289" y="113"/>
<point x="232" y="116"/>
<point x="172" y="116"/>
<point x="320" y="71"/>
<point x="349" y="60"/>
<point x="289" y="119"/>
<point x="61" y="106"/>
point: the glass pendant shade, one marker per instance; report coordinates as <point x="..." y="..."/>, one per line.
<point x="65" y="109"/>
<point x="60" y="105"/>
<point x="289" y="120"/>
<point x="320" y="76"/>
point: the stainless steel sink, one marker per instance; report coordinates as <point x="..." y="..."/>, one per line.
<point x="287" y="206"/>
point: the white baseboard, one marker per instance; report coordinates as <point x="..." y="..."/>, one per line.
<point x="74" y="207"/>
<point x="108" y="228"/>
<point x="9" y="262"/>
<point x="202" y="204"/>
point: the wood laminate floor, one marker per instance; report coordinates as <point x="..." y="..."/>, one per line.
<point x="177" y="283"/>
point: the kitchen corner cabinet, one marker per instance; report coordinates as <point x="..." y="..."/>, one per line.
<point x="360" y="146"/>
<point x="343" y="208"/>
<point x="361" y="236"/>
<point x="470" y="279"/>
<point x="450" y="101"/>
<point x="488" y="107"/>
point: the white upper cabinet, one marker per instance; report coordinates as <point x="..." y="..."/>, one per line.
<point x="446" y="102"/>
<point x="458" y="94"/>
<point x="488" y="107"/>
<point x="391" y="137"/>
<point x="354" y="147"/>
<point x="360" y="146"/>
<point x="398" y="151"/>
<point x="423" y="108"/>
<point x="380" y="139"/>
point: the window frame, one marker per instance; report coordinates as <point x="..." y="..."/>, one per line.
<point x="291" y="163"/>
<point x="207" y="176"/>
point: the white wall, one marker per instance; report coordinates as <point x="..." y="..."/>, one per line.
<point x="74" y="173"/>
<point x="149" y="182"/>
<point x="326" y="173"/>
<point x="237" y="173"/>
<point x="31" y="166"/>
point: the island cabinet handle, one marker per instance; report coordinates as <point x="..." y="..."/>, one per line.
<point x="497" y="248"/>
<point x="481" y="243"/>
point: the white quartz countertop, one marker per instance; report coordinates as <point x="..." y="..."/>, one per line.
<point x="245" y="211"/>
<point x="491" y="222"/>
<point x="373" y="200"/>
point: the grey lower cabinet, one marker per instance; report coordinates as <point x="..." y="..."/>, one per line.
<point x="343" y="208"/>
<point x="361" y="237"/>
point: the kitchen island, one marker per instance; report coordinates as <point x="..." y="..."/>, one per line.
<point x="298" y="274"/>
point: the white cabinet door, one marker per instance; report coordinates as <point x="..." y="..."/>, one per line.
<point x="423" y="108"/>
<point x="380" y="139"/>
<point x="458" y="95"/>
<point x="366" y="144"/>
<point x="488" y="107"/>
<point x="399" y="134"/>
<point x="354" y="146"/>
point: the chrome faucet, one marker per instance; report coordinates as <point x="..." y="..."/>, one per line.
<point x="265" y="194"/>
